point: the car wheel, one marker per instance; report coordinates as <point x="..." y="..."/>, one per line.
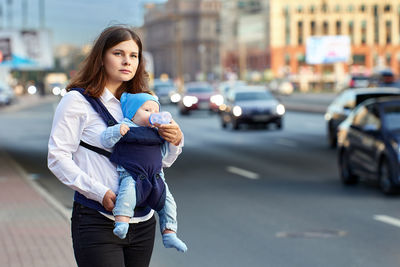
<point x="235" y="125"/>
<point x="279" y="125"/>
<point x="332" y="138"/>
<point x="223" y="123"/>
<point x="385" y="178"/>
<point x="346" y="174"/>
<point x="183" y="112"/>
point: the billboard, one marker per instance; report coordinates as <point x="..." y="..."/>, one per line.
<point x="26" y="49"/>
<point x="328" y="49"/>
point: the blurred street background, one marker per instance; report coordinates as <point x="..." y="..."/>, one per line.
<point x="257" y="184"/>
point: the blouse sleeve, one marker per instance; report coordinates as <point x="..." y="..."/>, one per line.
<point x="170" y="153"/>
<point x="69" y="122"/>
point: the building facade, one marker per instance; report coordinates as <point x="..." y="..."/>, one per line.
<point x="373" y="28"/>
<point x="182" y="36"/>
<point x="244" y="39"/>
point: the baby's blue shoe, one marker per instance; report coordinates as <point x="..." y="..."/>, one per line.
<point x="170" y="240"/>
<point x="121" y="229"/>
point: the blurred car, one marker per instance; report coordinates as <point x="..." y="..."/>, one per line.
<point x="7" y="95"/>
<point x="359" y="81"/>
<point x="226" y="86"/>
<point x="164" y="90"/>
<point x="281" y="86"/>
<point x="369" y="144"/>
<point x="345" y="102"/>
<point x="199" y="96"/>
<point x="251" y="105"/>
<point x="385" y="78"/>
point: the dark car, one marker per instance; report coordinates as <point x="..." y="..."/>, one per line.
<point x="385" y="78"/>
<point x="251" y="105"/>
<point x="359" y="81"/>
<point x="368" y="144"/>
<point x="345" y="102"/>
<point x="199" y="96"/>
<point x="164" y="90"/>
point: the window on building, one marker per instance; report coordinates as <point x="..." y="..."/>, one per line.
<point x="350" y="8"/>
<point x="300" y="33"/>
<point x="363" y="8"/>
<point x="324" y="7"/>
<point x="388" y="59"/>
<point x="388" y="26"/>
<point x="287" y="59"/>
<point x="287" y="26"/>
<point x="300" y="9"/>
<point x="325" y="28"/>
<point x="313" y="30"/>
<point x="387" y="8"/>
<point x="398" y="17"/>
<point x="359" y="59"/>
<point x="312" y="9"/>
<point x="337" y="8"/>
<point x="376" y="24"/>
<point x="338" y="27"/>
<point x="363" y="32"/>
<point x="351" y="31"/>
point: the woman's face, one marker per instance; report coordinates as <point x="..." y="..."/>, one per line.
<point x="120" y="63"/>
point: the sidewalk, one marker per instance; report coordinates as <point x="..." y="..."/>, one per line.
<point x="32" y="232"/>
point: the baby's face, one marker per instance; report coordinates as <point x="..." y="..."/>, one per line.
<point x="142" y="115"/>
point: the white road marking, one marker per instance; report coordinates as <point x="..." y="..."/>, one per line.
<point x="286" y="142"/>
<point x="242" y="172"/>
<point x="388" y="220"/>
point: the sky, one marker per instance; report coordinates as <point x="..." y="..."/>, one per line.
<point x="75" y="22"/>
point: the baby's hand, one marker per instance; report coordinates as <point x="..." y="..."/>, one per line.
<point x="123" y="129"/>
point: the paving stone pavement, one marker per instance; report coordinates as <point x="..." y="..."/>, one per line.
<point x="32" y="231"/>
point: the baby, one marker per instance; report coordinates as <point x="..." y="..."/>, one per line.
<point x="139" y="165"/>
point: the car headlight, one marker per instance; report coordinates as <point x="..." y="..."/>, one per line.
<point x="217" y="99"/>
<point x="188" y="101"/>
<point x="237" y="111"/>
<point x="327" y="116"/>
<point x="280" y="109"/>
<point x="32" y="90"/>
<point x="175" y="98"/>
<point x="56" y="90"/>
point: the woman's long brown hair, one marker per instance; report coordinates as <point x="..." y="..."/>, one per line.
<point x="92" y="76"/>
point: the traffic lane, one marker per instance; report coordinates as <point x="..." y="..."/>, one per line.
<point x="25" y="139"/>
<point x="275" y="204"/>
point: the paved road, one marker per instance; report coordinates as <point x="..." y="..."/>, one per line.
<point x="288" y="209"/>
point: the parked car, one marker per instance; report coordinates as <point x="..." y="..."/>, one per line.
<point x="345" y="102"/>
<point x="199" y="96"/>
<point x="164" y="89"/>
<point x="7" y="95"/>
<point x="359" y="81"/>
<point x="251" y="105"/>
<point x="369" y="144"/>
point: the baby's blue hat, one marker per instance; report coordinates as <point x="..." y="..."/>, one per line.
<point x="130" y="103"/>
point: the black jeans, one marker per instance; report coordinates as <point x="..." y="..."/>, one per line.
<point x="95" y="245"/>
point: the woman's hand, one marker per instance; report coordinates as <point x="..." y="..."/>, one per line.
<point x="170" y="132"/>
<point x="109" y="200"/>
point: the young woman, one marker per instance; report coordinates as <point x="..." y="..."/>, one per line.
<point x="115" y="65"/>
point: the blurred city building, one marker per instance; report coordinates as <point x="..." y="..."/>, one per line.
<point x="245" y="37"/>
<point x="373" y="28"/>
<point x="183" y="38"/>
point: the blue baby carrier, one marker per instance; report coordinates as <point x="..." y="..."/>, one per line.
<point x="139" y="153"/>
